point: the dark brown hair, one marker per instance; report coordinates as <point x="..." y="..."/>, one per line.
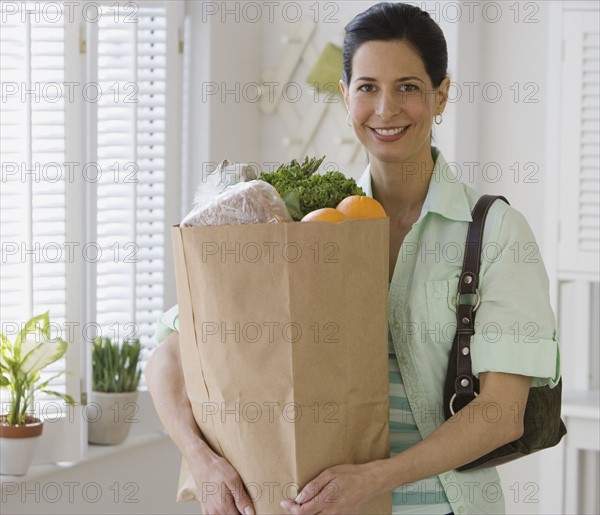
<point x="389" y="21"/>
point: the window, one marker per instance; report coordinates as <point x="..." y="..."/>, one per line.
<point x="130" y="192"/>
<point x="85" y="200"/>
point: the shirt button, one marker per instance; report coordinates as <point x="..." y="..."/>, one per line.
<point x="449" y="476"/>
<point x="461" y="509"/>
<point x="397" y="326"/>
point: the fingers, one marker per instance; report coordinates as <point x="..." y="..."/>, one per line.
<point x="241" y="498"/>
<point x="291" y="507"/>
<point x="308" y="501"/>
<point x="229" y="501"/>
<point x="314" y="487"/>
<point x="310" y="508"/>
<point x="224" y="492"/>
<point x="244" y="505"/>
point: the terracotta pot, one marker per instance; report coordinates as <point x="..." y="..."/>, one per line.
<point x="110" y="416"/>
<point x="17" y="445"/>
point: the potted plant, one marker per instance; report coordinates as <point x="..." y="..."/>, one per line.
<point x="21" y="363"/>
<point x="115" y="378"/>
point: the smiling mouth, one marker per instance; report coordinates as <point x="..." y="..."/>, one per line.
<point x="390" y="132"/>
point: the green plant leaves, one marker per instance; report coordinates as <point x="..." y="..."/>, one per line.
<point x="38" y="325"/>
<point x="38" y="355"/>
<point x="64" y="396"/>
<point x="291" y="199"/>
<point x="115" y="366"/>
<point x="22" y="361"/>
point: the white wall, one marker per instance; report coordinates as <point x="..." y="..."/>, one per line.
<point x="513" y="129"/>
<point x="512" y="133"/>
<point x="225" y="56"/>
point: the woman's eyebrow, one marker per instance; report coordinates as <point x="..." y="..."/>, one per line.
<point x="401" y="79"/>
<point x="410" y="77"/>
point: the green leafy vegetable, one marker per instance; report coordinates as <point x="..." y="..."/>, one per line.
<point x="303" y="190"/>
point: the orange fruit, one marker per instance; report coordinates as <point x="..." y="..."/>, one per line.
<point x="325" y="214"/>
<point x="359" y="206"/>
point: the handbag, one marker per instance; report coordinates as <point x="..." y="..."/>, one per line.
<point x="543" y="427"/>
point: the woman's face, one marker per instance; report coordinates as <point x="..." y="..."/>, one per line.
<point x="392" y="101"/>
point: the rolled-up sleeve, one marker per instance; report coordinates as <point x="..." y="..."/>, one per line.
<point x="166" y="324"/>
<point x="515" y="328"/>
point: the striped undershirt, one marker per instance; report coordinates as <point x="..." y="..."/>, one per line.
<point x="426" y="496"/>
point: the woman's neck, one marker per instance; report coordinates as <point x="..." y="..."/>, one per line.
<point x="401" y="187"/>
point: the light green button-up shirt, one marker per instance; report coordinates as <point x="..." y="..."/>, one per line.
<point x="515" y="328"/>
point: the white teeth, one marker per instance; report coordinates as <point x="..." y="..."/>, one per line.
<point x="390" y="132"/>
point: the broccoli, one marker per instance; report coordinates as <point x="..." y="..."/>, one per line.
<point x="303" y="190"/>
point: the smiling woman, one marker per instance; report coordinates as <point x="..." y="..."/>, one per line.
<point x="395" y="86"/>
<point x="392" y="99"/>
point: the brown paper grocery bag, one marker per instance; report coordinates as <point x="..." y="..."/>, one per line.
<point x="283" y="331"/>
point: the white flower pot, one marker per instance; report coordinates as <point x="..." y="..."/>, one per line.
<point x="110" y="416"/>
<point x="17" y="446"/>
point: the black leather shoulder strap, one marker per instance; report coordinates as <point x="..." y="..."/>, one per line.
<point x="460" y="375"/>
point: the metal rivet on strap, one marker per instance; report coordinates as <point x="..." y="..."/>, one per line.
<point x="464" y="382"/>
<point x="465" y="351"/>
<point x="468" y="279"/>
<point x="465" y="320"/>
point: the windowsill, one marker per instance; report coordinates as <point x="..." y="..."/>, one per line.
<point x="147" y="430"/>
<point x="94" y="452"/>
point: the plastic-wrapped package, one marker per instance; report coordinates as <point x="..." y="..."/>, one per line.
<point x="250" y="202"/>
<point x="225" y="175"/>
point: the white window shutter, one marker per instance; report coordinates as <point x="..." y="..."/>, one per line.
<point x="579" y="250"/>
<point x="33" y="225"/>
<point x="131" y="152"/>
<point x="123" y="211"/>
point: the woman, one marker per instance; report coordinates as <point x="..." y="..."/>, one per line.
<point x="395" y="85"/>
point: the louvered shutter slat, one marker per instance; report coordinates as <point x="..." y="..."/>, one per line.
<point x="33" y="214"/>
<point x="579" y="249"/>
<point x="130" y="200"/>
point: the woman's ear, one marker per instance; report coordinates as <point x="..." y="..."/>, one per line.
<point x="344" y="90"/>
<point x="442" y="95"/>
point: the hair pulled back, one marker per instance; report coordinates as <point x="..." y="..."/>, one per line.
<point x="389" y="21"/>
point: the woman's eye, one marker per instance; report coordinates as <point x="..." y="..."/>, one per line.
<point x="367" y="88"/>
<point x="408" y="88"/>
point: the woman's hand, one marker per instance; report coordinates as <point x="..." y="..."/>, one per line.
<point x="342" y="489"/>
<point x="219" y="488"/>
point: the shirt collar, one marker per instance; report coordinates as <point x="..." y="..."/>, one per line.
<point x="446" y="194"/>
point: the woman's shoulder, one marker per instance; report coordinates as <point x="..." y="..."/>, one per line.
<point x="500" y="212"/>
<point x="454" y="186"/>
<point x="503" y="221"/>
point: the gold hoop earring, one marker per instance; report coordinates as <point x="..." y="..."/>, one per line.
<point x="348" y="121"/>
<point x="437" y="120"/>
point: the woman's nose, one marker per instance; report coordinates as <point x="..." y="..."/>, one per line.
<point x="387" y="106"/>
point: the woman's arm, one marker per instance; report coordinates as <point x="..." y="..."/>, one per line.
<point x="493" y="419"/>
<point x="164" y="377"/>
<point x="461" y="439"/>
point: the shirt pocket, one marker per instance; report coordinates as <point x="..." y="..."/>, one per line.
<point x="441" y="310"/>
